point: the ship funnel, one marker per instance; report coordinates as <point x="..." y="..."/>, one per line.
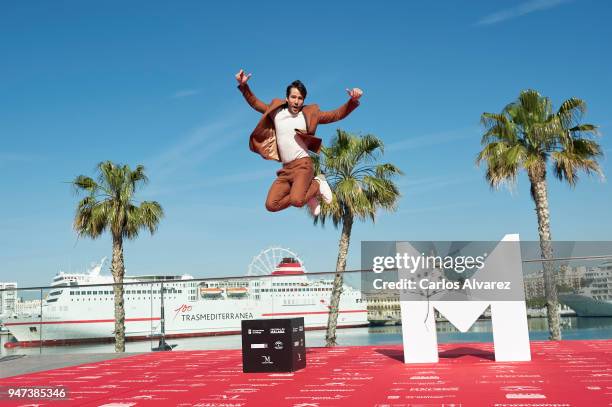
<point x="288" y="266"/>
<point x="95" y="270"/>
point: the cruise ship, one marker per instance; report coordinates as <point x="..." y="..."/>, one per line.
<point x="77" y="311"/>
<point x="595" y="298"/>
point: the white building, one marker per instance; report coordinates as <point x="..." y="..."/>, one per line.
<point x="30" y="307"/>
<point x="7" y="298"/>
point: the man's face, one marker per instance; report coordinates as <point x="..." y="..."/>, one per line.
<point x="295" y="100"/>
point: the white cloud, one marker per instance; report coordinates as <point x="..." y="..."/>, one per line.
<point x="417" y="186"/>
<point x="175" y="166"/>
<point x="17" y="157"/>
<point x="434" y="139"/>
<point x="520" y="10"/>
<point x="194" y="148"/>
<point x="211" y="182"/>
<point x="183" y="93"/>
<point x="440" y="209"/>
<point x="10" y="158"/>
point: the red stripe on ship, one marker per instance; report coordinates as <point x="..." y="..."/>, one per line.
<point x="62" y="342"/>
<point x="94" y="321"/>
<point x="310" y="313"/>
<point x="84" y="321"/>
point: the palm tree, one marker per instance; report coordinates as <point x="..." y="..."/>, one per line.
<point x="525" y="135"/>
<point x="109" y="204"/>
<point x="360" y="188"/>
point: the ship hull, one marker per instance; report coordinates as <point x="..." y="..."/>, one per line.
<point x="205" y="318"/>
<point x="586" y="306"/>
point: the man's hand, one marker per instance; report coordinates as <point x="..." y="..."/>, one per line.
<point x="354" y="93"/>
<point x="242" y="77"/>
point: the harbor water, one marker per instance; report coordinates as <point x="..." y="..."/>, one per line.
<point x="574" y="328"/>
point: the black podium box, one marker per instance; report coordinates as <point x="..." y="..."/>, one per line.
<point x="273" y="345"/>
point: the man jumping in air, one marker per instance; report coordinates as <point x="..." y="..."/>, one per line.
<point x="285" y="133"/>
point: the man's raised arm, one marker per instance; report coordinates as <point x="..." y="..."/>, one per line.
<point x="344" y="110"/>
<point x="251" y="99"/>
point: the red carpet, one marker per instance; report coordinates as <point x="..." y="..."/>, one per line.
<point x="562" y="374"/>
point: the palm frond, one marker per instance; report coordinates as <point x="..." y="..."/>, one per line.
<point x="138" y="176"/>
<point x="85" y="183"/>
<point x="367" y="148"/>
<point x="92" y="217"/>
<point x="503" y="162"/>
<point x="582" y="156"/>
<point x="361" y="186"/>
<point x="387" y="170"/>
<point x="571" y="111"/>
<point x="584" y="130"/>
<point x="382" y="192"/>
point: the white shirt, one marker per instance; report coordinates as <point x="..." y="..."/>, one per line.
<point x="290" y="147"/>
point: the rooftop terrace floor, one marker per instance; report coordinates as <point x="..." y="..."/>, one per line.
<point x="565" y="373"/>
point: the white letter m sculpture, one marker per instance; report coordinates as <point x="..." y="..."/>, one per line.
<point x="508" y="311"/>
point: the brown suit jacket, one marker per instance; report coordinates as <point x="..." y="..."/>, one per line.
<point x="263" y="138"/>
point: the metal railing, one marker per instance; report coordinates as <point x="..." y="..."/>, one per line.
<point x="195" y="283"/>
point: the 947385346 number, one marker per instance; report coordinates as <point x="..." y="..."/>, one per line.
<point x="33" y="392"/>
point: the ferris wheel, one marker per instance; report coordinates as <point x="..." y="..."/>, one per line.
<point x="268" y="259"/>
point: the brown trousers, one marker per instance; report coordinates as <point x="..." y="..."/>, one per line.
<point x="294" y="185"/>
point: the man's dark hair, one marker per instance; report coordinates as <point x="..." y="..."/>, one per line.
<point x="299" y="86"/>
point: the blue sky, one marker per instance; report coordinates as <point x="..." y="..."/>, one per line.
<point x="152" y="83"/>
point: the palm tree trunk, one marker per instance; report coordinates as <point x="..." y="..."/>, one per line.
<point x="343" y="246"/>
<point x="118" y="272"/>
<point x="540" y="196"/>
